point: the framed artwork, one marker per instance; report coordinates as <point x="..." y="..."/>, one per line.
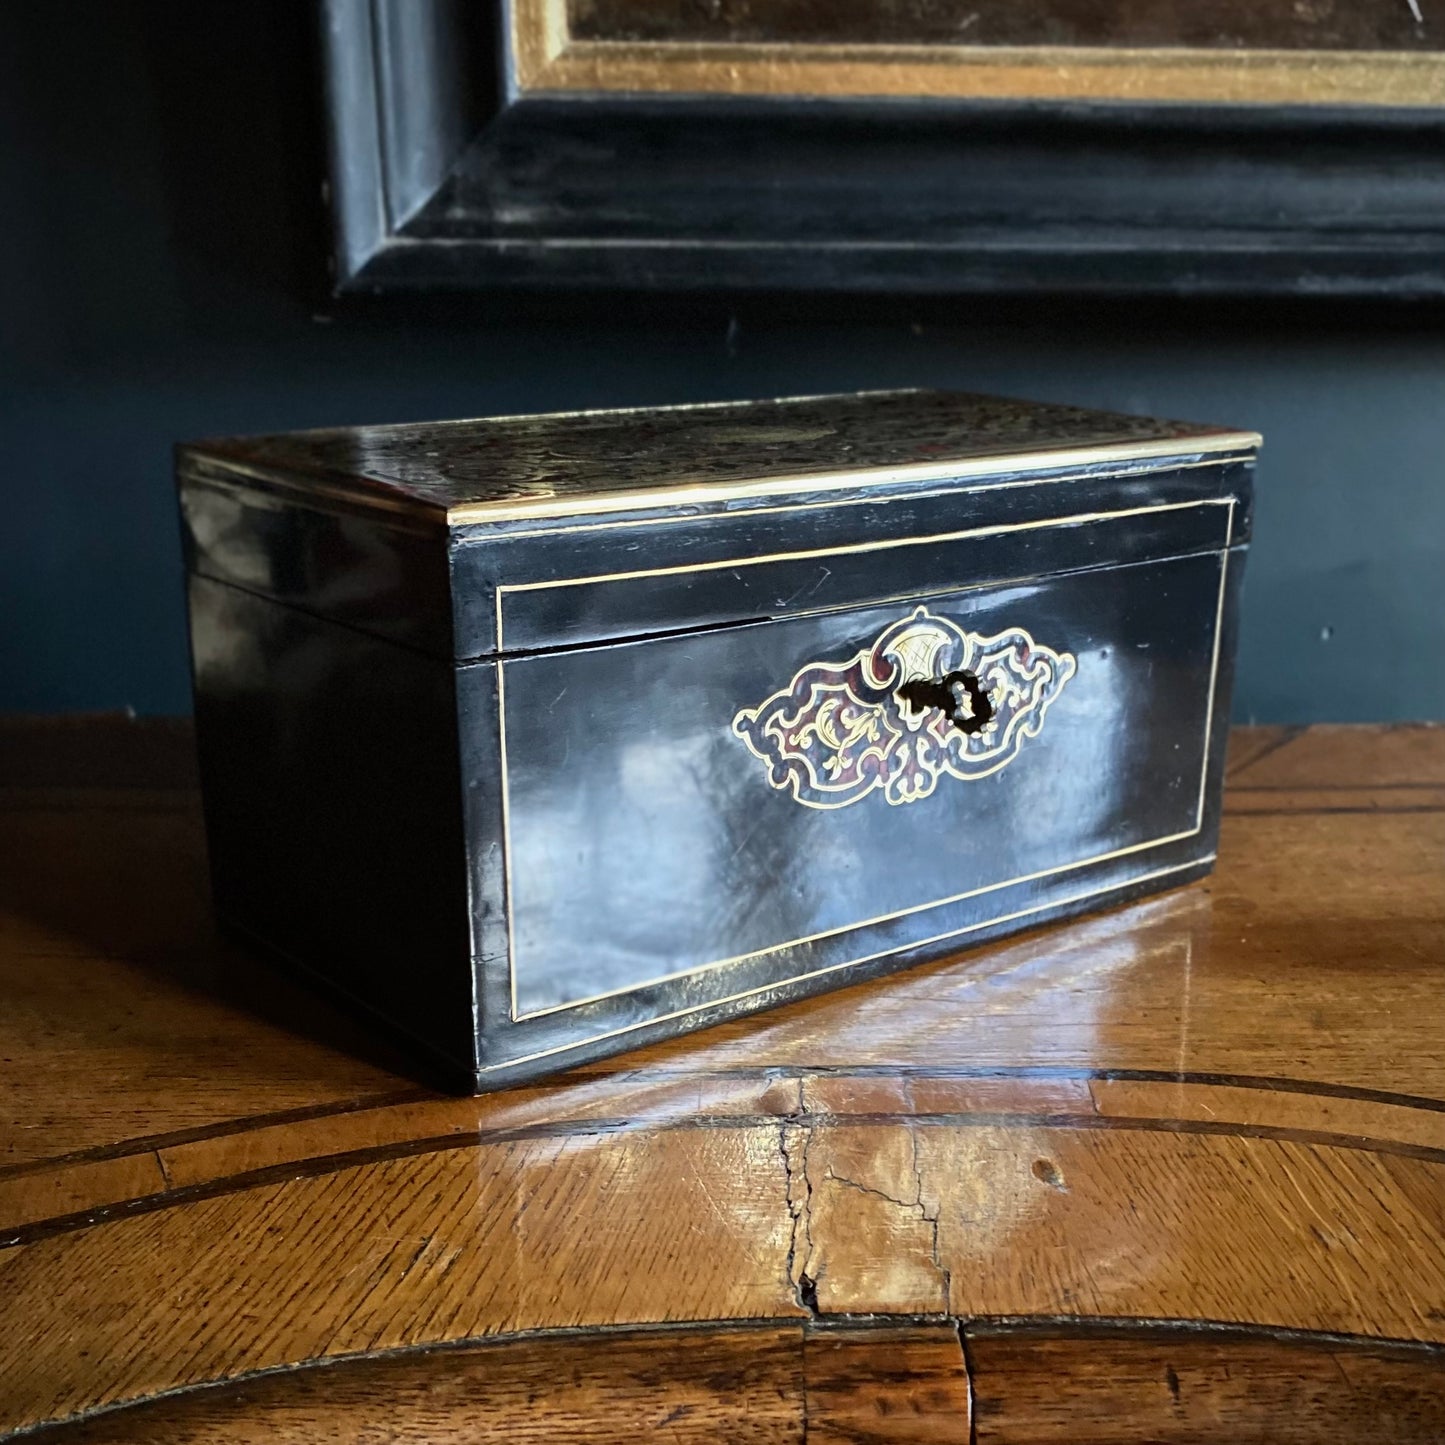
<point x="1212" y="52"/>
<point x="923" y="146"/>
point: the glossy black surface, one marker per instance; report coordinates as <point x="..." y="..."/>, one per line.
<point x="386" y="575"/>
<point x="329" y="777"/>
<point x="525" y="859"/>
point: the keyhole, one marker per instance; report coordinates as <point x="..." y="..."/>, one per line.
<point x="960" y="696"/>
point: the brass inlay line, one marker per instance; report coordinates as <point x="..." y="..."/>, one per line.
<point x="861" y="924"/>
<point x="852" y="548"/>
<point x="882" y="499"/>
<point x="854" y="962"/>
<point x="1214" y="663"/>
<point x="506" y="834"/>
<point x="518" y="1017"/>
<point x="511" y="509"/>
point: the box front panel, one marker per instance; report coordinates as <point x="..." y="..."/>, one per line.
<point x="699" y="819"/>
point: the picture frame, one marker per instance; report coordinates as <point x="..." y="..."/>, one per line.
<point x="543" y="144"/>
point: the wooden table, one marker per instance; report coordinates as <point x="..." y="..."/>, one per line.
<point x="1176" y="1172"/>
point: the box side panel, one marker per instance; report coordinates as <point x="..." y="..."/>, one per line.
<point x="382" y="572"/>
<point x="332" y="795"/>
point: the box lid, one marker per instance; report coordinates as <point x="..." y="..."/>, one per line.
<point x="500" y="469"/>
<point x="474" y="538"/>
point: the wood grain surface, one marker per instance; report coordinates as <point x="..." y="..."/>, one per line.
<point x="1143" y="1386"/>
<point x="773" y="1385"/>
<point x="736" y="1385"/>
<point x="1222" y="1107"/>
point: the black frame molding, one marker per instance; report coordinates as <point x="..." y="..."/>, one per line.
<point x="443" y="178"/>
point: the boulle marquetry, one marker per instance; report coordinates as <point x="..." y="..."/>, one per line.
<point x="542" y="737"/>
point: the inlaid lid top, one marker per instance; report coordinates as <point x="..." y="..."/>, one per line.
<point x="568" y="463"/>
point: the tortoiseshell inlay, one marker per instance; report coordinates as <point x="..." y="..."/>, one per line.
<point x="841" y="730"/>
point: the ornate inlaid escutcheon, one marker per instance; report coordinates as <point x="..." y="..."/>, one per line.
<point x="926" y="699"/>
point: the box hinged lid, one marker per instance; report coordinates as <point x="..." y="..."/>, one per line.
<point x="577" y="528"/>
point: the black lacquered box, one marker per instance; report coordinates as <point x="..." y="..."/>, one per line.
<point x="543" y="737"/>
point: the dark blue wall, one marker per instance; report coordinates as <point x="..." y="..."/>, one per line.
<point x="160" y="253"/>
